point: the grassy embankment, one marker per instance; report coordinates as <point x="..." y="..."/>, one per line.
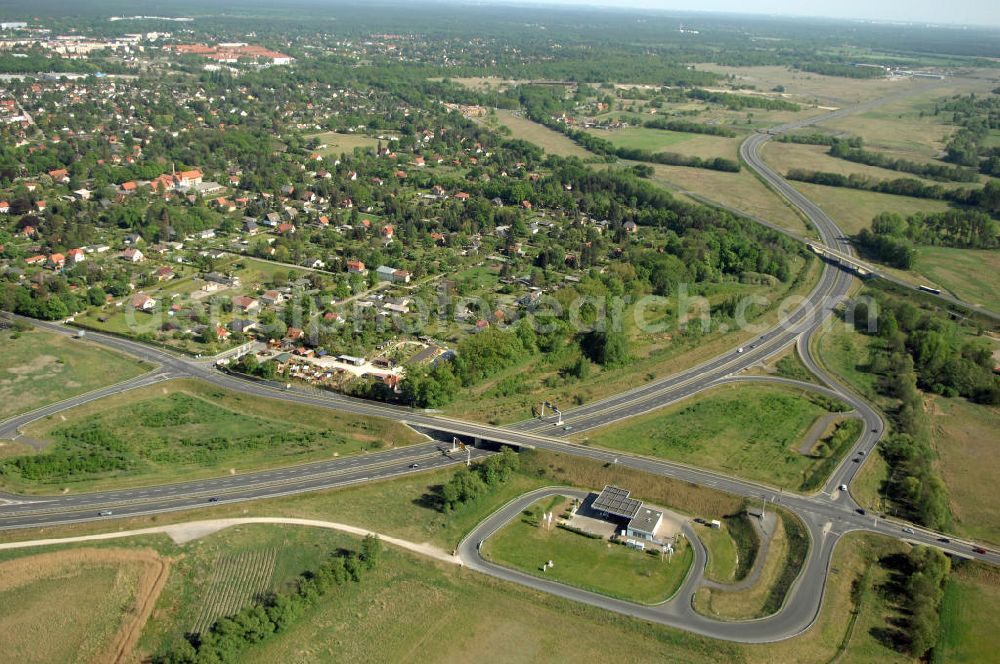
<point x="189" y="429"/>
<point x="753" y="431"/>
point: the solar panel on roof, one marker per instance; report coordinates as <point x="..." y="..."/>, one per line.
<point x="615" y="500"/>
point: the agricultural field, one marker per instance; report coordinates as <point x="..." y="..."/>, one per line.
<point x="753" y="431"/>
<point x="661" y="140"/>
<point x="149" y="435"/>
<point x="78" y="605"/>
<point x="521" y="626"/>
<point x="464" y="616"/>
<point x="237" y="580"/>
<point x="964" y="435"/>
<point x="969" y="629"/>
<point x="39" y="368"/>
<point x="593" y="564"/>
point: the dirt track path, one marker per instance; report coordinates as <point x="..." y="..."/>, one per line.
<point x="192" y="530"/>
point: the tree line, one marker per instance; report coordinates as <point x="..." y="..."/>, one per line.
<point x="689" y="127"/>
<point x="986" y="198"/>
<point x="853" y="150"/>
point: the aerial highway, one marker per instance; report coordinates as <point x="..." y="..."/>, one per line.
<point x="827" y="515"/>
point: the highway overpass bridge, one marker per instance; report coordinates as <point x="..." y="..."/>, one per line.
<point x="837" y="257"/>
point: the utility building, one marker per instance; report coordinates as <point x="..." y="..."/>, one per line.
<point x="637" y="520"/>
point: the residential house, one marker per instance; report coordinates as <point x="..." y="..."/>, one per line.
<point x="356" y="267"/>
<point x="4" y="207"/>
<point x="76" y="255"/>
<point x="133" y="255"/>
<point x="394" y="275"/>
<point x="164" y="273"/>
<point x="286" y="229"/>
<point x="245" y="305"/>
<point x="188" y="179"/>
<point x="242" y="326"/>
<point x="59" y="176"/>
<point x="142" y="302"/>
<point x="272" y="298"/>
<point x="249" y="226"/>
<point x="35" y="260"/>
<point x="222" y="280"/>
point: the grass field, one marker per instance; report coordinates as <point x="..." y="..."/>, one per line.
<point x="661" y="140"/>
<point x="740" y="191"/>
<point x="806" y="86"/>
<point x="747" y="430"/>
<point x="340" y="143"/>
<point x="845" y="352"/>
<point x="149" y="435"/>
<point x="592" y="564"/>
<point x="461" y="615"/>
<point x="786" y="156"/>
<point x="908" y="124"/>
<point x="972" y="275"/>
<point x="39" y="368"/>
<point x="548" y="139"/>
<point x="748" y="603"/>
<point x="76" y="606"/>
<point x="964" y="435"/>
<point x="853" y="209"/>
<point x="722" y="553"/>
<point x="409" y="610"/>
<point x="970" y="616"/>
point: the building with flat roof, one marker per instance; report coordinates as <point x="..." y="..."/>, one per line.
<point x="644" y="524"/>
<point x="638" y="521"/>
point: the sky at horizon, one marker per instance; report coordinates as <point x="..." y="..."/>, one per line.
<point x="984" y="13"/>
